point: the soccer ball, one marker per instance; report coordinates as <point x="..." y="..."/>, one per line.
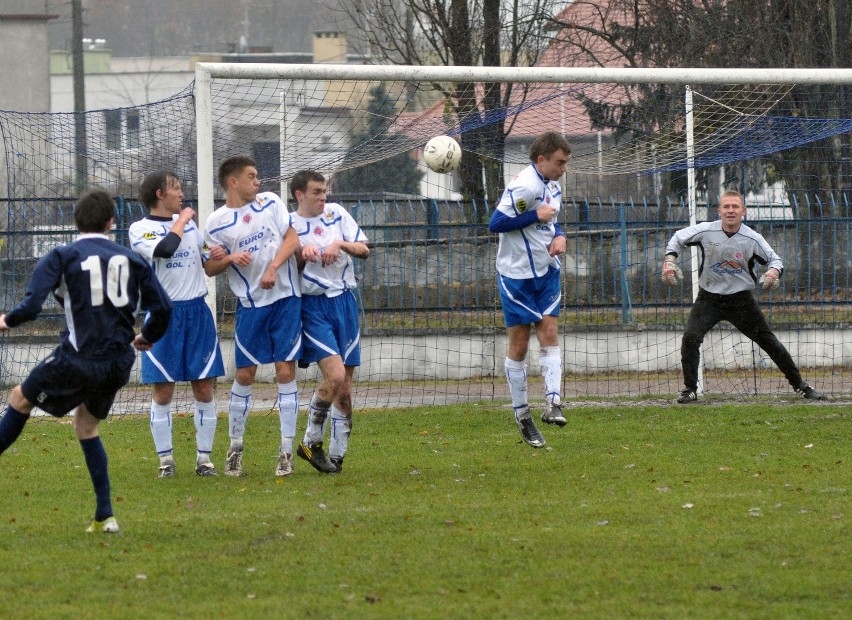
<point x="442" y="154"/>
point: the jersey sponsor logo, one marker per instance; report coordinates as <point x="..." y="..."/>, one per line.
<point x="41" y="397"/>
<point x="329" y="215"/>
<point x="727" y="267"/>
<point x="521" y="205"/>
<point x="149" y="235"/>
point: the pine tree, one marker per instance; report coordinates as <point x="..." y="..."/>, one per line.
<point x="397" y="174"/>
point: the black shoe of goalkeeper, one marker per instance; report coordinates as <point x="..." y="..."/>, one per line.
<point x="687" y="397"/>
<point x="809" y="393"/>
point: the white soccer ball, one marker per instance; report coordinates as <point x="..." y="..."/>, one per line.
<point x="442" y="154"/>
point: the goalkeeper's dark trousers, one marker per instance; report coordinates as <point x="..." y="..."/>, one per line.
<point x="741" y="310"/>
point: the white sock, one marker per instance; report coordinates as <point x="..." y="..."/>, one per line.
<point x="205" y="428"/>
<point x="341" y="428"/>
<point x="516" y="375"/>
<point x="161" y="428"/>
<point x="550" y="359"/>
<point x="288" y="409"/>
<point x="238" y="410"/>
<point x="317" y="415"/>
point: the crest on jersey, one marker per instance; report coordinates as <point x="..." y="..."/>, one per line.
<point x="521" y="205"/>
<point x="318" y="231"/>
<point x="329" y="215"/>
<point x="547" y="200"/>
<point x="247" y="218"/>
<point x="149" y="235"/>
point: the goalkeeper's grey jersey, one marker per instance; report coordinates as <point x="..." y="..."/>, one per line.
<point x="727" y="261"/>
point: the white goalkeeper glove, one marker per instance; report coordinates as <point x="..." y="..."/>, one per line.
<point x="671" y="273"/>
<point x="770" y="280"/>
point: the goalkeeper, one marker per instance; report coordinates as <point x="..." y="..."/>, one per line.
<point x="726" y="278"/>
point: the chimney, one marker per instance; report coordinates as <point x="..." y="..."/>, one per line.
<point x="330" y="47"/>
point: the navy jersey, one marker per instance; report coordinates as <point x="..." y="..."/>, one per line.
<point x="100" y="284"/>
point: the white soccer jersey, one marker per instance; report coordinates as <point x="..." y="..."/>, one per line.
<point x="523" y="253"/>
<point x="727" y="261"/>
<point x="334" y="224"/>
<point x="182" y="274"/>
<point x="259" y="228"/>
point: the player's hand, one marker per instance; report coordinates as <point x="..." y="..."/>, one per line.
<point x="140" y="344"/>
<point x="3" y="326"/>
<point x="270" y="276"/>
<point x="241" y="259"/>
<point x="186" y="214"/>
<point x="545" y="213"/>
<point x="557" y="246"/>
<point x="671" y="274"/>
<point x="330" y="253"/>
<point x="217" y="252"/>
<point x="311" y="254"/>
<point x="770" y="280"/>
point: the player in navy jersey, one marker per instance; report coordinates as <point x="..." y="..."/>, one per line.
<point x="730" y="251"/>
<point x="330" y="238"/>
<point x="172" y="243"/>
<point x="528" y="277"/>
<point x="255" y="231"/>
<point x="99" y="284"/>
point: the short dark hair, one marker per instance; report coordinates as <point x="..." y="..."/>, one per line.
<point x="300" y="181"/>
<point x="548" y="143"/>
<point x="159" y="180"/>
<point x="93" y="211"/>
<point x="232" y="166"/>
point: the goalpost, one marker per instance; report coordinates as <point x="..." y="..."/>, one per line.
<point x="738" y="104"/>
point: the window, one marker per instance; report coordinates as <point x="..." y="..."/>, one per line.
<point x="122" y="129"/>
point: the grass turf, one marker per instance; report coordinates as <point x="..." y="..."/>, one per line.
<point x="706" y="511"/>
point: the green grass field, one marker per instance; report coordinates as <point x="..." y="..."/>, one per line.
<point x="705" y="511"/>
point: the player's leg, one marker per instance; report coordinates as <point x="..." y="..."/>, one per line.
<point x="311" y="448"/>
<point x="201" y="364"/>
<point x="161" y="426"/>
<point x="703" y="316"/>
<point x="288" y="411"/>
<point x="286" y="338"/>
<point x="341" y="421"/>
<point x="550" y="360"/>
<point x="205" y="420"/>
<point x="15" y="418"/>
<point x="86" y="427"/>
<point x="749" y="319"/>
<point x="239" y="405"/>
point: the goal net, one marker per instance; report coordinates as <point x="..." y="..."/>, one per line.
<point x="652" y="150"/>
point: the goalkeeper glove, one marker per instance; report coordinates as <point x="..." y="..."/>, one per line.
<point x="671" y="273"/>
<point x="769" y="281"/>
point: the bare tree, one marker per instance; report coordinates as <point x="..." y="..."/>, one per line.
<point x="717" y="33"/>
<point x="462" y="33"/>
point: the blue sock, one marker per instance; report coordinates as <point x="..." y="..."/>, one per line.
<point x="96" y="461"/>
<point x="11" y="425"/>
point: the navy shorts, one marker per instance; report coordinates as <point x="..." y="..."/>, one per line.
<point x="65" y="380"/>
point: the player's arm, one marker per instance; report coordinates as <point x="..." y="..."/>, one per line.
<point x="289" y="246"/>
<point x="168" y="245"/>
<point x="155" y="301"/>
<point x="356" y="249"/>
<point x="46" y="277"/>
